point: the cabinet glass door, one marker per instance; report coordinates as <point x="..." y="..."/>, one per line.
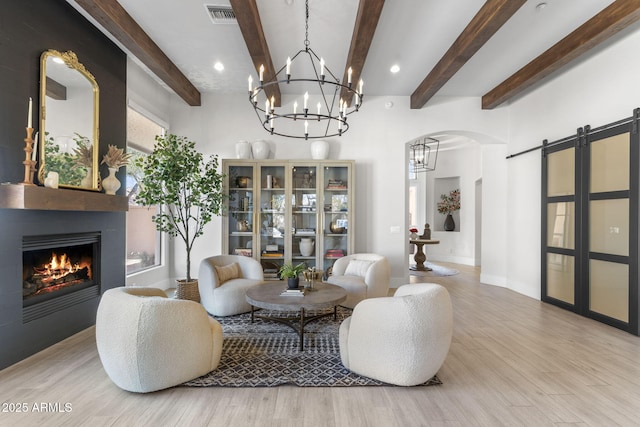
<point x="304" y="215"/>
<point x="337" y="215"/>
<point x="272" y="222"/>
<point x="240" y="210"/>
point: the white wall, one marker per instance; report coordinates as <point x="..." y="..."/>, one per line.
<point x="597" y="91"/>
<point x="594" y="91"/>
<point x="376" y="140"/>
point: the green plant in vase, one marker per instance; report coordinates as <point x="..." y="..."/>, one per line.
<point x="291" y="273"/>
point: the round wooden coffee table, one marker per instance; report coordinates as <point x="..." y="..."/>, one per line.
<point x="268" y="296"/>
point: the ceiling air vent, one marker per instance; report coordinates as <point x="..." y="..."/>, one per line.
<point x="221" y="14"/>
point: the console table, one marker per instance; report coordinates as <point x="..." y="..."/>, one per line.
<point x="420" y="257"/>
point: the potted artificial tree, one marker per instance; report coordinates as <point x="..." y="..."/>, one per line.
<point x="188" y="191"/>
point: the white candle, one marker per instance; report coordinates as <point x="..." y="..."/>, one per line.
<point x="306" y="127"/>
<point x="273" y="102"/>
<point x="35" y="147"/>
<point x="271" y="122"/>
<point x="319" y="105"/>
<point x="361" y="84"/>
<point x="295" y="107"/>
<point x="357" y="99"/>
<point x="255" y="95"/>
<point x="349" y="72"/>
<point x="266" y="106"/>
<point x="250" y="83"/>
<point x="322" y="66"/>
<point x="306" y="99"/>
<point x="29" y="119"/>
<point x="262" y="73"/>
<point x="288" y="65"/>
<point x="339" y="124"/>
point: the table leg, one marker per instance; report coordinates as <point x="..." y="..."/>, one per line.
<point x="301" y="329"/>
<point x="420" y="258"/>
<point x="335" y="312"/>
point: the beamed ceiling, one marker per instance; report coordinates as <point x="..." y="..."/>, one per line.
<point x="494" y="49"/>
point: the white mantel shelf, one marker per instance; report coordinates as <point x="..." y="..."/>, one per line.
<point x="18" y="196"/>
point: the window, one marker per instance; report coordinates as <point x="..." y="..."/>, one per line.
<point x="143" y="240"/>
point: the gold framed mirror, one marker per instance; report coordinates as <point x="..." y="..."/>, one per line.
<point x="68" y="134"/>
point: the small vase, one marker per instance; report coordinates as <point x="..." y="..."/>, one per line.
<point x="306" y="246"/>
<point x="87" y="181"/>
<point x="111" y="184"/>
<point x="260" y="150"/>
<point x="449" y="223"/>
<point x="243" y="150"/>
<point x="319" y="149"/>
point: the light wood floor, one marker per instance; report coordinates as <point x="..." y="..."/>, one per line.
<point x="513" y="361"/>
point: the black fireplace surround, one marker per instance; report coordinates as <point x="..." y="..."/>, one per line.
<point x="27" y="29"/>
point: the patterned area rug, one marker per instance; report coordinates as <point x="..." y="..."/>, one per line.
<point x="266" y="354"/>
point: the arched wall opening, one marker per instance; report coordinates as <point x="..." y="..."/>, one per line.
<point x="475" y="164"/>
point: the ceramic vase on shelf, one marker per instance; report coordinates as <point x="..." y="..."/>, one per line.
<point x="306" y="246"/>
<point x="243" y="150"/>
<point x="449" y="223"/>
<point x="319" y="149"/>
<point x="111" y="184"/>
<point x="87" y="181"/>
<point x="260" y="149"/>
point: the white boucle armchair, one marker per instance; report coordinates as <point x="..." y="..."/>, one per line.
<point x="362" y="276"/>
<point x="148" y="342"/>
<point x="401" y="340"/>
<point x="223" y="281"/>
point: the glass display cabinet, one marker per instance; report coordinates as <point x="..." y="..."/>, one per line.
<point x="289" y="211"/>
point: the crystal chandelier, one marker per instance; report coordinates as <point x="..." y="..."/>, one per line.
<point x="319" y="114"/>
<point x="423" y="154"/>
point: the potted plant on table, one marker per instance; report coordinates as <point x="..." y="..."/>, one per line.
<point x="291" y="273"/>
<point x="447" y="205"/>
<point x="188" y="190"/>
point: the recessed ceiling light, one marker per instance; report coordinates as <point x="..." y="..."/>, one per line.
<point x="218" y="66"/>
<point x="394" y="68"/>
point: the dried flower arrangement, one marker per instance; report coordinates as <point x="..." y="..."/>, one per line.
<point x="115" y="157"/>
<point x="83" y="152"/>
<point x="450" y="203"/>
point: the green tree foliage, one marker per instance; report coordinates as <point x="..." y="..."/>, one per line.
<point x="188" y="189"/>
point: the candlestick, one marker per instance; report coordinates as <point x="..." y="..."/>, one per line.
<point x="29" y="165"/>
<point x="29" y="118"/>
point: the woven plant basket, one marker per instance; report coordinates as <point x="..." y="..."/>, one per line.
<point x="188" y="290"/>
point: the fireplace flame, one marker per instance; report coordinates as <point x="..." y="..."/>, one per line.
<point x="60" y="266"/>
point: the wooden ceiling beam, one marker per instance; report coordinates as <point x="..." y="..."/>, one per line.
<point x="369" y="12"/>
<point x="491" y="16"/>
<point x="614" y="18"/>
<point x="248" y="18"/>
<point x="115" y="19"/>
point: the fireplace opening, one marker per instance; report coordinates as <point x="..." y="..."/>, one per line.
<point x="57" y="265"/>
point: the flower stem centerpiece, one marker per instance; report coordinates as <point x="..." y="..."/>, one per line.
<point x="447" y="205"/>
<point x="114" y="159"/>
<point x="188" y="190"/>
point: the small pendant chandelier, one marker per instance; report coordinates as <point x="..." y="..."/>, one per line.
<point x="423" y="155"/>
<point x="315" y="116"/>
